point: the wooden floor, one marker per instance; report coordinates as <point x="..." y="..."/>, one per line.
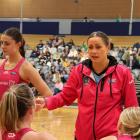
<point x="59" y="122"/>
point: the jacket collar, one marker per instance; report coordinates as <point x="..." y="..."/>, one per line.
<point x="87" y="66"/>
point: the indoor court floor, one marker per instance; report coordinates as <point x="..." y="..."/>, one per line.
<point x="59" y="122"/>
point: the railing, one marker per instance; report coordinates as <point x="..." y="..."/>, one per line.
<point x="137" y="83"/>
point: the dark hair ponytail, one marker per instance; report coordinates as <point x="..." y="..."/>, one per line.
<point x="21" y="49"/>
<point x="17" y="36"/>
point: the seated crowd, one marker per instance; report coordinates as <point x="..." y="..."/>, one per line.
<point x="54" y="58"/>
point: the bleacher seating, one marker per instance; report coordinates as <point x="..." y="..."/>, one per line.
<point x="137" y="83"/>
<point x="125" y="41"/>
<point x="120" y="41"/>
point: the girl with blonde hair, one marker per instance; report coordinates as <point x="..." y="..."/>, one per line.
<point x="129" y="124"/>
<point x="17" y="109"/>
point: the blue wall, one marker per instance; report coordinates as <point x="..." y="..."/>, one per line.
<point x="136" y="28"/>
<point x="32" y="27"/>
<point x="110" y="28"/>
<point x="6" y="24"/>
<point x="41" y="28"/>
<point x="77" y="28"/>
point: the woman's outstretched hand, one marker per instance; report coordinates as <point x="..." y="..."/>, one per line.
<point x="40" y="103"/>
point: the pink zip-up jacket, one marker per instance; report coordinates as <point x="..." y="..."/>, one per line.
<point x="125" y="137"/>
<point x="99" y="105"/>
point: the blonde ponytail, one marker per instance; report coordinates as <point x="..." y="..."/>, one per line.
<point x="8" y="112"/>
<point x="14" y="105"/>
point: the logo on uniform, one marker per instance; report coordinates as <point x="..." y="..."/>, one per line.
<point x="13" y="73"/>
<point x="131" y="81"/>
<point x="85" y="80"/>
<point x="112" y="81"/>
<point x="11" y="82"/>
<point x="11" y="135"/>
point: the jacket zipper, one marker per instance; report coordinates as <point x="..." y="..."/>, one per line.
<point x="95" y="113"/>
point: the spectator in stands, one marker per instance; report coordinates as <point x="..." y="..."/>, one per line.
<point x="84" y="46"/>
<point x="40" y="44"/>
<point x="15" y="68"/>
<point x="136" y="45"/>
<point x="38" y="19"/>
<point x="103" y="88"/>
<point x="64" y="76"/>
<point x="120" y="53"/>
<point x="58" y="83"/>
<point x="17" y="110"/>
<point x="35" y="53"/>
<point x="65" y="63"/>
<point x="85" y="19"/>
<point x="118" y="19"/>
<point x="126" y="57"/>
<point x="70" y="43"/>
<point x="136" y="64"/>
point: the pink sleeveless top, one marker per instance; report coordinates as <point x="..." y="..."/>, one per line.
<point x="9" y="77"/>
<point x="125" y="137"/>
<point x="15" y="136"/>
